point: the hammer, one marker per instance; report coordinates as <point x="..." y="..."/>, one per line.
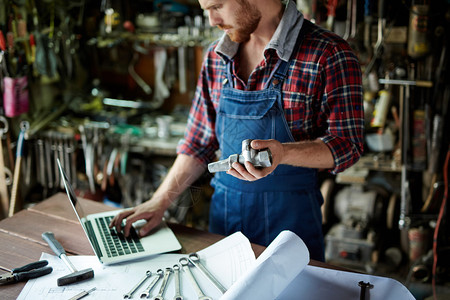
<point x="75" y="276"/>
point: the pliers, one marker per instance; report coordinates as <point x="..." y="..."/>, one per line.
<point x="32" y="270"/>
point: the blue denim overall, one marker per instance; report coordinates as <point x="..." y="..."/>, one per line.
<point x="289" y="197"/>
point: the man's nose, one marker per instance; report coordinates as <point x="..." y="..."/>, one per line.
<point x="214" y="19"/>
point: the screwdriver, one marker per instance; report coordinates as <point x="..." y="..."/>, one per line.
<point x="82" y="294"/>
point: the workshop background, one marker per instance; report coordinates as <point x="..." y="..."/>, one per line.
<point x="106" y="86"/>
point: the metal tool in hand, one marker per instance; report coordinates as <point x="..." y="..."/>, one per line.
<point x="195" y="260"/>
<point x="258" y="158"/>
<point x="163" y="287"/>
<point x="129" y="295"/>
<point x="146" y="292"/>
<point x="176" y="270"/>
<point x="185" y="264"/>
<point x="33" y="270"/>
<point x="364" y="286"/>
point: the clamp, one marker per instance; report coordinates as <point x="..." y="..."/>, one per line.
<point x="258" y="158"/>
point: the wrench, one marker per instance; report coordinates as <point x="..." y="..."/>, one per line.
<point x="146" y="292"/>
<point x="48" y="161"/>
<point x="65" y="141"/>
<point x="40" y="144"/>
<point x="54" y="149"/>
<point x="134" y="289"/>
<point x="60" y="147"/>
<point x="176" y="269"/>
<point x="163" y="287"/>
<point x="71" y="149"/>
<point x="195" y="260"/>
<point x="185" y="263"/>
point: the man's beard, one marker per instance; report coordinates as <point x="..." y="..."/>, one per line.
<point x="248" y="18"/>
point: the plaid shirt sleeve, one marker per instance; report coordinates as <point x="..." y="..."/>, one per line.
<point x="200" y="139"/>
<point x="342" y="106"/>
<point x="323" y="96"/>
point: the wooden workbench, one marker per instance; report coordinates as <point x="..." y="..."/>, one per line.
<point x="21" y="241"/>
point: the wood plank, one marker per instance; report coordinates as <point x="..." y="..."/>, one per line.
<point x="16" y="252"/>
<point x="59" y="205"/>
<point x="30" y="225"/>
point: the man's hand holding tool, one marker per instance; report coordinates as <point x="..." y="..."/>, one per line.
<point x="258" y="158"/>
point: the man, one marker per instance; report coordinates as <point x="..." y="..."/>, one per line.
<point x="292" y="87"/>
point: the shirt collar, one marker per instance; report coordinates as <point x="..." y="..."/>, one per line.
<point x="283" y="40"/>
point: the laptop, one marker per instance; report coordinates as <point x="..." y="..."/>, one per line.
<point x="111" y="247"/>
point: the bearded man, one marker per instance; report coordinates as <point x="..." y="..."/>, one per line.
<point x="291" y="86"/>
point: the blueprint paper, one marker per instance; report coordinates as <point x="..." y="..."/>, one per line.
<point x="275" y="268"/>
<point x="226" y="259"/>
<point x="281" y="272"/>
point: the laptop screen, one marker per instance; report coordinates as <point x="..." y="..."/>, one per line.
<point x="77" y="206"/>
<point x="71" y="194"/>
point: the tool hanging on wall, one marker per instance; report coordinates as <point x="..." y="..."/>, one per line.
<point x="367" y="50"/>
<point x="24" y="125"/>
<point x="352" y="17"/>
<point x="46" y="62"/>
<point x="144" y="86"/>
<point x="348" y="20"/>
<point x="331" y="13"/>
<point x="182" y="81"/>
<point x="88" y="152"/>
<point x="161" y="91"/>
<point x="3" y="187"/>
<point x="50" y="145"/>
<point x="377" y="50"/>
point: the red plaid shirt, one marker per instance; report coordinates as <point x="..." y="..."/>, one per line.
<point x="322" y="97"/>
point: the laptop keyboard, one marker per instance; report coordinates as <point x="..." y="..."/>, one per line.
<point x="116" y="244"/>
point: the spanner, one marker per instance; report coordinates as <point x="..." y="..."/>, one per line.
<point x="48" y="161"/>
<point x="185" y="263"/>
<point x="134" y="289"/>
<point x="146" y="292"/>
<point x="195" y="260"/>
<point x="163" y="287"/>
<point x="176" y="270"/>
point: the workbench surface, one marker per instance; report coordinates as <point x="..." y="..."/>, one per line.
<point x="21" y="241"/>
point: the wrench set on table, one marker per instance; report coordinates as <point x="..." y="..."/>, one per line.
<point x="184" y="265"/>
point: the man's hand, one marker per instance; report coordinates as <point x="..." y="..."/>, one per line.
<point x="307" y="154"/>
<point x="248" y="172"/>
<point x="151" y="211"/>
<point x="183" y="173"/>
